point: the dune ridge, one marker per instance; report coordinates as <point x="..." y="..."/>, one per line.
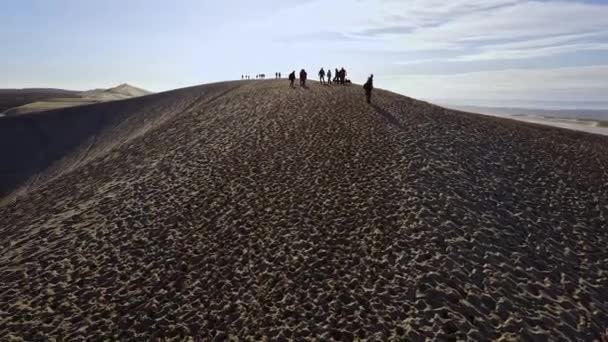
<point x="251" y="210"/>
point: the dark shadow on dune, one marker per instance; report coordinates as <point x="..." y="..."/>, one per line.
<point x="388" y="116"/>
<point x="31" y="143"/>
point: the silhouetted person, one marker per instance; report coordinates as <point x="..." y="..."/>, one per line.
<point x="336" y="76"/>
<point x="242" y="77"/>
<point x="322" y="75"/>
<point x="329" y="76"/>
<point x="279" y="75"/>
<point x="342" y="76"/>
<point x="303" y="75"/>
<point x="368" y="87"/>
<point x="292" y="78"/>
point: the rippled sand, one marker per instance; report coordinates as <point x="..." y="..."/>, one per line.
<point x="254" y="211"/>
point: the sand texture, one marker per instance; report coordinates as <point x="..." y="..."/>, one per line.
<point x="254" y="211"/>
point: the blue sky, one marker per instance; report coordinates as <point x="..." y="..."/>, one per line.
<point x="480" y="52"/>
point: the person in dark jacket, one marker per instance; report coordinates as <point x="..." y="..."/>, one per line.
<point x="292" y="78"/>
<point x="328" y="76"/>
<point x="368" y="87"/>
<point x="303" y="76"/>
<point x="342" y="76"/>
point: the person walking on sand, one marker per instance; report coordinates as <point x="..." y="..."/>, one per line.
<point x="368" y="87"/>
<point x="322" y="76"/>
<point x="292" y="78"/>
<point x="303" y="75"/>
<point x="328" y="76"/>
<point x="336" y="76"/>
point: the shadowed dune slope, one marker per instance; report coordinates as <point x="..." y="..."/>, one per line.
<point x="250" y="209"/>
<point x="10" y="98"/>
<point x="36" y="147"/>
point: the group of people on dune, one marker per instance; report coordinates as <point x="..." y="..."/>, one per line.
<point x="257" y="77"/>
<point x="339" y="77"/>
<point x="303" y="77"/>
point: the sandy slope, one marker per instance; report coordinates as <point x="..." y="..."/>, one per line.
<point x="250" y="209"/>
<point x="10" y="98"/>
<point x="121" y="92"/>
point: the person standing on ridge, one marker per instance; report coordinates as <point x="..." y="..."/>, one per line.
<point x="342" y="76"/>
<point x="303" y="75"/>
<point x="322" y="76"/>
<point x="292" y="78"/>
<point x="368" y="87"/>
<point x="328" y="76"/>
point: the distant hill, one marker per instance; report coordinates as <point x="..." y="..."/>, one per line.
<point x="587" y="120"/>
<point x="23" y="101"/>
<point x="10" y="98"/>
<point x="595" y="114"/>
<point x="123" y="91"/>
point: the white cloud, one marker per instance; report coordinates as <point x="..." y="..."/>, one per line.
<point x="474" y="29"/>
<point x="520" y="21"/>
<point x="573" y="83"/>
<point x="503" y="53"/>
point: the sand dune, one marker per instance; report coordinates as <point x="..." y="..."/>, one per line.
<point x="10" y="98"/>
<point x="591" y="121"/>
<point x="120" y="92"/>
<point x="250" y="210"/>
<point x="44" y="100"/>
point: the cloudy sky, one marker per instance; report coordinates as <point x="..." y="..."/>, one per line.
<point x="479" y="52"/>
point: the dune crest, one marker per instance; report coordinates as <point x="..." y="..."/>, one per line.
<point x="122" y="91"/>
<point x="251" y="210"/>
